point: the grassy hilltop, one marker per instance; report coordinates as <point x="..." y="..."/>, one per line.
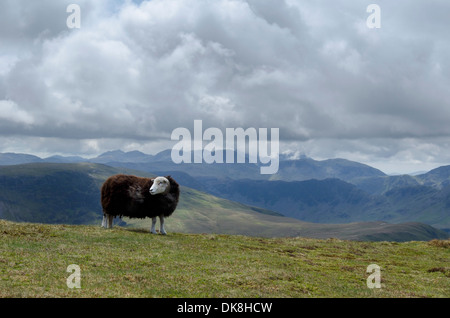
<point x="125" y="262"/>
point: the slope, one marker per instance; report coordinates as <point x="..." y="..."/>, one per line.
<point x="334" y="200"/>
<point x="70" y="193"/>
<point x="131" y="263"/>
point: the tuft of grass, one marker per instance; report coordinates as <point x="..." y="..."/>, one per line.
<point x="124" y="262"/>
<point x="440" y="243"/>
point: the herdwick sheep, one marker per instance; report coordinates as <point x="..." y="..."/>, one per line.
<point x="136" y="197"/>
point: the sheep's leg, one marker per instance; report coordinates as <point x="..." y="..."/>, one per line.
<point x="153" y="230"/>
<point x="107" y="221"/>
<point x="110" y="221"/>
<point x="161" y="225"/>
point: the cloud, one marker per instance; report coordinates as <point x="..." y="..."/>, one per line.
<point x="10" y="113"/>
<point x="135" y="71"/>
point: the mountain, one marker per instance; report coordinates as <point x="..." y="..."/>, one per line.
<point x="307" y="168"/>
<point x="121" y="156"/>
<point x="70" y="194"/>
<point x="322" y="201"/>
<point x="304" y="168"/>
<point x="64" y="159"/>
<point x="422" y="204"/>
<point x="347" y="192"/>
<point x="9" y="158"/>
<point x="66" y="193"/>
<point x="381" y="184"/>
<point x="289" y="170"/>
<point x="334" y="200"/>
<point x="50" y="193"/>
<point x="439" y="177"/>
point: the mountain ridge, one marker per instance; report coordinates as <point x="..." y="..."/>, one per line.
<point x="337" y="201"/>
<point x="135" y="156"/>
<point x="377" y="196"/>
<point x="69" y="194"/>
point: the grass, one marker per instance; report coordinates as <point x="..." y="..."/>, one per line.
<point x="125" y="262"/>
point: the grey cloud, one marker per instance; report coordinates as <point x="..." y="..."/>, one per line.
<point x="134" y="72"/>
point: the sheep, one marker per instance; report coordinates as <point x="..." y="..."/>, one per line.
<point x="137" y="197"/>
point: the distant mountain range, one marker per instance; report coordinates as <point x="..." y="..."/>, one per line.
<point x="290" y="170"/>
<point x="69" y="193"/>
<point x="337" y="201"/>
<point x="328" y="191"/>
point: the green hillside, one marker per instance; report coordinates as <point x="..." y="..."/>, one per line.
<point x="336" y="201"/>
<point x="125" y="262"/>
<point x="70" y="194"/>
<point x="199" y="212"/>
<point x="53" y="193"/>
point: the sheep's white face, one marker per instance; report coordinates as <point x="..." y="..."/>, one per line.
<point x="160" y="185"/>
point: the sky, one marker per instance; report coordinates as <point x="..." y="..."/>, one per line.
<point x="136" y="70"/>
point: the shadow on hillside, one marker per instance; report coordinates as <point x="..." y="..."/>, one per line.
<point x="140" y="230"/>
<point x="137" y="230"/>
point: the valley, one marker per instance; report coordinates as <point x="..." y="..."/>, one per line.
<point x="68" y="193"/>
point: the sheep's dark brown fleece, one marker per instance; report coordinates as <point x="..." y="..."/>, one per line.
<point x="126" y="195"/>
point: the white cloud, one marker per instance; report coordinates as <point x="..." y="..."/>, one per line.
<point x="9" y="111"/>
